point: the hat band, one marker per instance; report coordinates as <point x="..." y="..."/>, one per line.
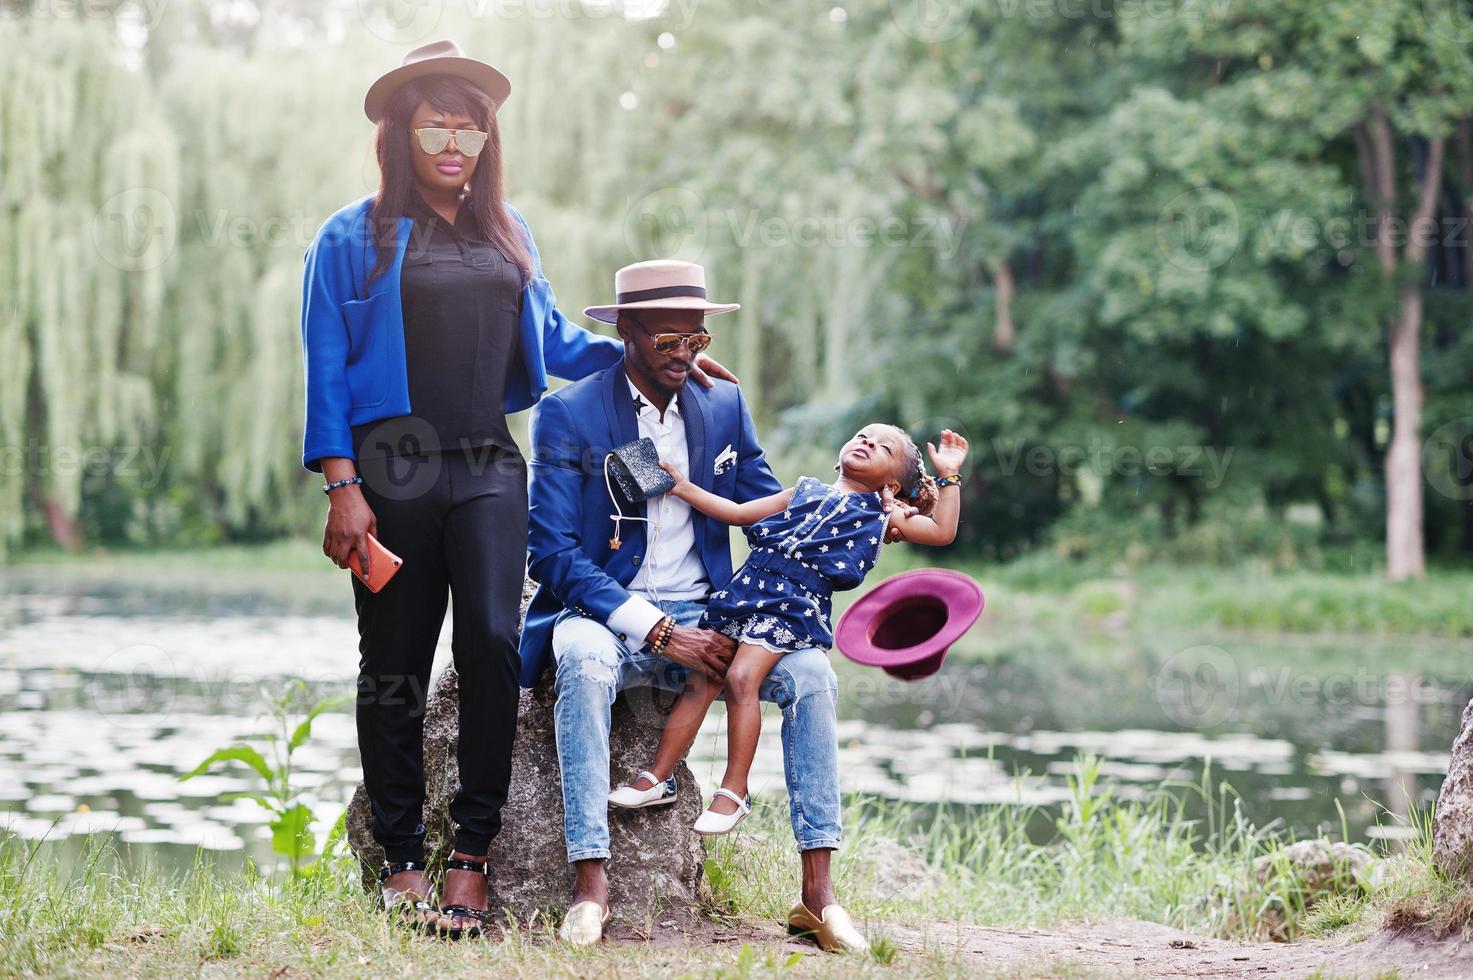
<point x="663" y="292"/>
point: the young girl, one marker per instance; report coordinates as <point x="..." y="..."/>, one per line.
<point x="807" y="542"/>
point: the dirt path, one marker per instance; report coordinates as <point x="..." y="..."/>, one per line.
<point x="1124" y="948"/>
<point x="1143" y="949"/>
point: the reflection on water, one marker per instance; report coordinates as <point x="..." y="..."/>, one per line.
<point x="107" y="693"/>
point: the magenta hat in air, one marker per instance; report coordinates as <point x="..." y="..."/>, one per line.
<point x="906" y="623"/>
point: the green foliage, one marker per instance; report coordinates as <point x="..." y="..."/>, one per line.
<point x="109" y="912"/>
<point x="884" y="950"/>
<point x="1078" y="236"/>
<point x="751" y="963"/>
<point x="1101" y="856"/>
<point x="291" y="819"/>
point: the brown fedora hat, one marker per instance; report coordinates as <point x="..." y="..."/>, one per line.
<point x="442" y="57"/>
<point x="659" y="284"/>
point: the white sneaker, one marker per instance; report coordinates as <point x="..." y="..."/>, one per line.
<point x="663" y="791"/>
<point x="714" y="824"/>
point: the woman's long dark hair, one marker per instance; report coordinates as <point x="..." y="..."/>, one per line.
<point x="448" y="94"/>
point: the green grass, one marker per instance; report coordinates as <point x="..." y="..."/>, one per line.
<point x="99" y="917"/>
<point x="1411" y="893"/>
<point x="1039" y="590"/>
<point x="1111" y="858"/>
<point x="1043" y="591"/>
<point x="1307" y="602"/>
<point x="286" y="555"/>
<point x="107" y="913"/>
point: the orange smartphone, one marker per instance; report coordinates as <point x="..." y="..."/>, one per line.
<point x="382" y="567"/>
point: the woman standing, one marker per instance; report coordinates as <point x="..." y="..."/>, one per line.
<point x="425" y="320"/>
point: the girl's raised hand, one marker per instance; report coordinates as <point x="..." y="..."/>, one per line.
<point x="949" y="457"/>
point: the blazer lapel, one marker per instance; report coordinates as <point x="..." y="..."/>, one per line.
<point x="697" y="415"/>
<point x="618" y="406"/>
<point x="623" y="426"/>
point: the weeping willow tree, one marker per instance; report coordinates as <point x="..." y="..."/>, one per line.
<point x="87" y="166"/>
<point x="155" y="216"/>
<point x="151" y="241"/>
<point x="270" y="151"/>
<point x="152" y="227"/>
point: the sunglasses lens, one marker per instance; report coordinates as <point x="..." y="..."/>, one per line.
<point x="470" y="141"/>
<point x="669" y="343"/>
<point x="433" y="140"/>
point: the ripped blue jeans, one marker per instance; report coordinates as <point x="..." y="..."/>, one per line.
<point x="594" y="665"/>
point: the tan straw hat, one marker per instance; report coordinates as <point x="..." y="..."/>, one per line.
<point x="660" y="284"/>
<point x="436" y="58"/>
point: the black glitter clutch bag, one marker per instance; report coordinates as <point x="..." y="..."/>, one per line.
<point x="636" y="469"/>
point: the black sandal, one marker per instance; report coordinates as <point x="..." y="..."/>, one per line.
<point x="403" y="902"/>
<point x="465" y="911"/>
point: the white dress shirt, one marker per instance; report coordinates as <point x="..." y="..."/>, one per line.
<point x="671" y="568"/>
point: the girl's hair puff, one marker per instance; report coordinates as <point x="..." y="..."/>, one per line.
<point x="917" y="487"/>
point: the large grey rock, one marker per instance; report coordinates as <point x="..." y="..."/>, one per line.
<point x="1452" y="829"/>
<point x="657" y="859"/>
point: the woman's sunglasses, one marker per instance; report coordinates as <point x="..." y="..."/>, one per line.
<point x="433" y="140"/>
<point x="669" y="343"/>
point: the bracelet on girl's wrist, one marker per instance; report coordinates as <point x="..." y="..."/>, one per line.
<point x="350" y="481"/>
<point x="950" y="480"/>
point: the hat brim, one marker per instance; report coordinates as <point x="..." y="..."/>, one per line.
<point x="871" y="633"/>
<point x="610" y="314"/>
<point x="478" y="73"/>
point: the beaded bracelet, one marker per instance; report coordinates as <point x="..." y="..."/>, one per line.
<point x="667" y="627"/>
<point x="954" y="480"/>
<point x="329" y="487"/>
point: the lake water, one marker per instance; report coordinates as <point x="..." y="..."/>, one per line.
<point x="112" y="686"/>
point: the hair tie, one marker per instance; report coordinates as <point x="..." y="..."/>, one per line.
<point x="915" y="491"/>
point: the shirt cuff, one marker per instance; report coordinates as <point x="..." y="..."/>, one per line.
<point x="633" y="620"/>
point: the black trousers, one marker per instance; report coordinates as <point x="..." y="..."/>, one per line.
<point x="459" y="522"/>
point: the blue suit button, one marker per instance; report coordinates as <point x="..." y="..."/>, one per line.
<point x="636" y="559"/>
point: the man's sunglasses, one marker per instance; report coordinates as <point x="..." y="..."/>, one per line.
<point x="434" y="140"/>
<point x="669" y="343"/>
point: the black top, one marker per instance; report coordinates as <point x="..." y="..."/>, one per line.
<point x="461" y="300"/>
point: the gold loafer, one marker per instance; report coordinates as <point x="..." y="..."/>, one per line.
<point x="584" y="924"/>
<point x="834" y="931"/>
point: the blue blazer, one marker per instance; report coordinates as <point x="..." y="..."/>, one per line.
<point x="572" y="429"/>
<point x="353" y="343"/>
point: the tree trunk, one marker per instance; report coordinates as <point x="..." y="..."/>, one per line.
<point x="1405" y="549"/>
<point x="1465" y="185"/>
<point x="1004" y="331"/>
<point x="63" y="527"/>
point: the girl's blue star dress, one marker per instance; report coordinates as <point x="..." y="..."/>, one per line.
<point x="826" y="541"/>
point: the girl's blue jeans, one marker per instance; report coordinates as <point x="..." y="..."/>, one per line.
<point x="594" y="665"/>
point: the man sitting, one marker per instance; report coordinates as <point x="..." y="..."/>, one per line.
<point x="601" y="605"/>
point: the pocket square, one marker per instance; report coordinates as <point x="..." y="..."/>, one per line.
<point x="725" y="460"/>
